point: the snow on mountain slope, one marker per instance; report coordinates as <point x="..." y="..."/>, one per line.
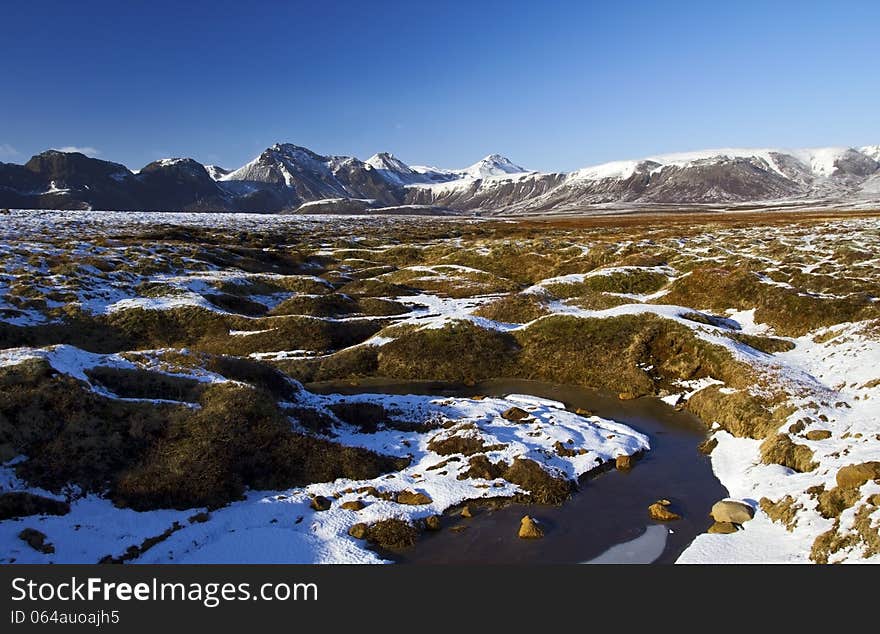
<point x="216" y="172"/>
<point x="872" y="151"/>
<point x="726" y="175"/>
<point x="492" y="165"/>
<point x="395" y="171"/>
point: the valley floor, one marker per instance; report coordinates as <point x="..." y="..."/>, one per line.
<point x="152" y="372"/>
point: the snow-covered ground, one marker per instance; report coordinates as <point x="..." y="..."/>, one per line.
<point x="830" y="377"/>
<point x="282" y="526"/>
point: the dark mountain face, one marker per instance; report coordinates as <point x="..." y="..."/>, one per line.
<point x="70" y="180"/>
<point x="179" y="184"/>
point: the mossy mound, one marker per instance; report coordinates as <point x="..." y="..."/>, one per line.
<point x="514" y="309"/>
<point x="780" y="449"/>
<point x="337" y="305"/>
<point x="153" y="456"/>
<point x="392" y="534"/>
<point x="741" y="413"/>
<point x="142" y="384"/>
<point x="238" y="438"/>
<point x="542" y="487"/>
<point x="460" y="352"/>
<point x="22" y="504"/>
<point x="789" y="312"/>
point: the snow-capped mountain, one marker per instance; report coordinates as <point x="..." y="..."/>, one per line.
<point x="303" y="176"/>
<point x="492" y="165"/>
<point x="287" y="177"/>
<point x="724" y="176"/>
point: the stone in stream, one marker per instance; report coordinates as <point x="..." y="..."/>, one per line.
<point x="529" y="529"/>
<point x="466" y="511"/>
<point x="432" y="522"/>
<point x="624" y="463"/>
<point x="732" y="511"/>
<point x="660" y="511"/>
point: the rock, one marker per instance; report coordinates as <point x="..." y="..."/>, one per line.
<point x="722" y="528"/>
<point x="353" y="505"/>
<point x="320" y="503"/>
<point x="874" y="499"/>
<point x="36" y="540"/>
<point x="199" y="518"/>
<point x="432" y="522"/>
<point x="627" y="396"/>
<point x="623" y="463"/>
<point x="529" y="529"/>
<point x="855" y="475"/>
<point x="660" y="512"/>
<point x="412" y="498"/>
<point x="583" y="412"/>
<point x="515" y="414"/>
<point x="707" y="446"/>
<point x="732" y="511"/>
<point x="358" y="531"/>
<point x="564" y="450"/>
<point x="818" y="434"/>
<point x="466" y="511"/>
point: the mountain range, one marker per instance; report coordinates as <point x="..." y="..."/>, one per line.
<point x="290" y="178"/>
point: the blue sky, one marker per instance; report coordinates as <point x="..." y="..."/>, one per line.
<point x="553" y="85"/>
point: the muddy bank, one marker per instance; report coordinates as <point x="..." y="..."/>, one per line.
<point x="608" y="511"/>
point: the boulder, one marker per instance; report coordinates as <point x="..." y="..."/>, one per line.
<point x="723" y="528"/>
<point x="732" y="511"/>
<point x="358" y="531"/>
<point x="661" y="512"/>
<point x="36" y="540"/>
<point x="818" y="434"/>
<point x="707" y="446"/>
<point x="529" y="529"/>
<point x="432" y="522"/>
<point x="515" y="414"/>
<point x="199" y="518"/>
<point x="320" y="503"/>
<point x="855" y="475"/>
<point x="466" y="511"/>
<point x="353" y="505"/>
<point x="412" y="498"/>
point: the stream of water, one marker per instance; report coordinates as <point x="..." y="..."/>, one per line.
<point x="606" y="521"/>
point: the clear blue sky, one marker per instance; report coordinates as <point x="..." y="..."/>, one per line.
<point x="552" y="85"/>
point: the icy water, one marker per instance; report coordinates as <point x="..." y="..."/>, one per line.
<point x="606" y="521"/>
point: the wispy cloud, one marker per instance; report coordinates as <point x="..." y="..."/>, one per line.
<point x="87" y="150"/>
<point x="7" y="151"/>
